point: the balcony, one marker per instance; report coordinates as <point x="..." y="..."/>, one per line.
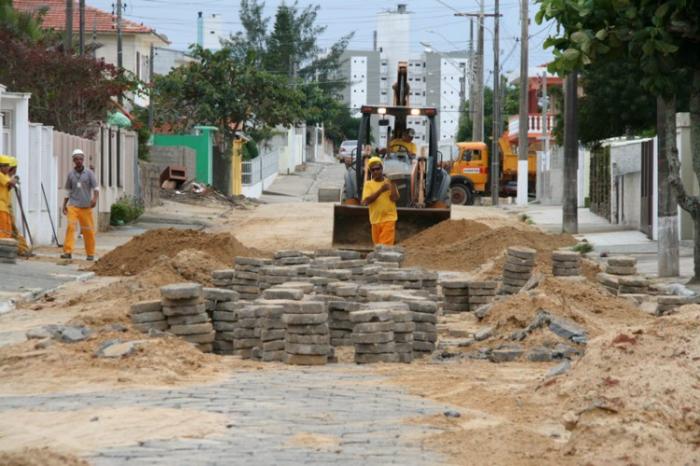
<point x="534" y="130"/>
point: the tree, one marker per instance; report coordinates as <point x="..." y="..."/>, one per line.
<point x="226" y="89"/>
<point x="662" y="39"/>
<point x="509" y="107"/>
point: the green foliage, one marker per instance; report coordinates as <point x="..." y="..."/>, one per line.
<point x="509" y="106"/>
<point x="140" y="125"/>
<point x="69" y="92"/>
<point x="250" y="150"/>
<point x="125" y="210"/>
<point x="583" y="247"/>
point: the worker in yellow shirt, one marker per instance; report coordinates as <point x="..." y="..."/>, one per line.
<point x="6" y="184"/>
<point x="22" y="246"/>
<point x="381" y="195"/>
<point x="406" y="142"/>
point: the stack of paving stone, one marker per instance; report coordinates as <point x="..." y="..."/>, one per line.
<point x="387" y="256"/>
<point x="8" y="251"/>
<point x="339" y="322"/>
<point x="410" y="279"/>
<point x="667" y="304"/>
<point x="375" y="292"/>
<point x="223" y="278"/>
<point x="187" y="315"/>
<point x="455" y="296"/>
<point x="373" y="335"/>
<point x="425" y="319"/>
<point x="566" y="263"/>
<point x="480" y="293"/>
<point x="247" y="277"/>
<point x="632" y="285"/>
<point x="245" y="335"/>
<point x="221" y="305"/>
<point x="429" y="284"/>
<point x="307" y="338"/>
<point x="622" y="265"/>
<point x="273" y="275"/>
<point x="518" y="268"/>
<point x="290" y="257"/>
<point x="148" y="315"/>
<point x="272" y="331"/>
<point x="404" y="327"/>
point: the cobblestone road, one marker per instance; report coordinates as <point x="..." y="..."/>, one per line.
<point x="265" y="410"/>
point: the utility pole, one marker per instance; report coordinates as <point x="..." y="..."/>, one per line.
<point x="523" y="126"/>
<point x="478" y="96"/>
<point x="68" y="39"/>
<point x="151" y="58"/>
<point x="81" y="40"/>
<point x="544" y="102"/>
<point x="496" y="123"/>
<point x="570" y="207"/>
<point x="120" y="63"/>
<point x="472" y="74"/>
<point x="94" y="36"/>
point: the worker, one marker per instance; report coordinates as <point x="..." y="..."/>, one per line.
<point x="83" y="192"/>
<point x="381" y="195"/>
<point x="406" y="142"/>
<point x="23" y="248"/>
<point x="6" y="184"/>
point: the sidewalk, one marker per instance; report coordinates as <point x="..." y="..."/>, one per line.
<point x="302" y="186"/>
<point x="30" y="279"/>
<point x="607" y="238"/>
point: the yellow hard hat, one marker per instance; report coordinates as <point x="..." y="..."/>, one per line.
<point x="375" y="160"/>
<point x="4" y="159"/>
<point x="13" y="161"/>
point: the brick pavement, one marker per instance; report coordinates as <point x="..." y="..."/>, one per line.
<point x="265" y="410"/>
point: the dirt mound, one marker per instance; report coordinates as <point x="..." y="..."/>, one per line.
<point x="143" y="251"/>
<point x="633" y="397"/>
<point x="587" y="304"/>
<point x="39" y="457"/>
<point x="466" y="245"/>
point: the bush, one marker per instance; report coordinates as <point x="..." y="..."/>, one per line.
<point x="583" y="247"/>
<point x="125" y="210"/>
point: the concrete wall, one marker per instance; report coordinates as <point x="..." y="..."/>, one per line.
<point x="686" y="228"/>
<point x="149" y="175"/>
<point x="550" y="176"/>
<point x="162" y="156"/>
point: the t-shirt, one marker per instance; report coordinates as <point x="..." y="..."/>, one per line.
<point x="4" y="193"/>
<point x="383" y="209"/>
<point x="80" y="186"/>
<point x="410" y="147"/>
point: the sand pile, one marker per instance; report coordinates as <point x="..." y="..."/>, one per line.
<point x="143" y="251"/>
<point x="585" y="303"/>
<point x="466" y="245"/>
<point x="39" y="457"/>
<point x="633" y="397"/>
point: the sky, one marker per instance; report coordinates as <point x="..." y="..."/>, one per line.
<point x="432" y="22"/>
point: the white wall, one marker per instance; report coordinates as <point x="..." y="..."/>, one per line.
<point x="358" y="84"/>
<point x="394" y="37"/>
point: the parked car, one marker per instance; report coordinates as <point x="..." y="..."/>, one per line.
<point x="347" y="148"/>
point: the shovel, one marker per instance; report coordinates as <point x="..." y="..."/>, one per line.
<point x="48" y="209"/>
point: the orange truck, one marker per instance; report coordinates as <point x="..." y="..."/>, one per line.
<point x="469" y="173"/>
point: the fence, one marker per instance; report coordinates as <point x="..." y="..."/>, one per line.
<point x="259" y="173"/>
<point x="600" y="182"/>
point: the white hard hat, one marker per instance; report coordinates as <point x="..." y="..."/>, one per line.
<point x="78" y="153"/>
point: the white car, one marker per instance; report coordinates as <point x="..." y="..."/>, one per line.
<point x="347" y="148"/>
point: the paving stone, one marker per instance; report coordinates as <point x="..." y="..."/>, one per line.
<point x="307" y="349"/>
<point x="370" y="315"/>
<point x="305" y="319"/>
<point x="191" y="329"/>
<point x="184" y="310"/>
<point x="622" y="261"/>
<point x="559" y="369"/>
<point x="243" y="333"/>
<point x="321" y="329"/>
<point x="274" y="345"/>
<point x="72" y="334"/>
<point x="375" y="348"/>
<point x="145" y="317"/>
<point x="484" y="333"/>
<point x="372" y="327"/>
<point x="539" y="354"/>
<point x="369" y="358"/>
<point x="222" y="274"/>
<point x="521" y="252"/>
<point x="273" y="356"/>
<point x="145" y="328"/>
<point x="219" y="294"/>
<point x="205" y="347"/>
<point x="518" y="261"/>
<point x="505" y="354"/>
<point x="404" y="327"/>
<point x="243" y="343"/>
<point x="425" y="336"/>
<point x="519" y="269"/>
<point x="219" y="316"/>
<point x="559" y="272"/>
<point x="283" y="293"/>
<point x="454" y="284"/>
<point x="619" y="270"/>
<point x="567" y="329"/>
<point x="200" y="338"/>
<point x="307" y="339"/>
<point x="146" y="306"/>
<point x="224" y="326"/>
<point x="423" y="317"/>
<point x="375" y="337"/>
<point x="113" y="349"/>
<point x="305" y="307"/>
<point x="181" y="291"/>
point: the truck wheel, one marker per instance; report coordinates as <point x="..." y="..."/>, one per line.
<point x="461" y="195"/>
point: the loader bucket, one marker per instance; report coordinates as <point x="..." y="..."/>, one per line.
<point x="352" y="230"/>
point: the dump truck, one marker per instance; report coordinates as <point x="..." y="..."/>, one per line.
<point x="424" y="187"/>
<point x="469" y="173"/>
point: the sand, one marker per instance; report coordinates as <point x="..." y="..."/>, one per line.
<point x="467" y="245"/>
<point x="145" y="250"/>
<point x="39" y="457"/>
<point x="102" y="427"/>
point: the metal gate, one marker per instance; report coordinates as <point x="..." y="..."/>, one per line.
<point x="645" y="218"/>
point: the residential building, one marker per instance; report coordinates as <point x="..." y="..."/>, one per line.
<point x="209" y="30"/>
<point x="100" y="29"/>
<point x="434" y="79"/>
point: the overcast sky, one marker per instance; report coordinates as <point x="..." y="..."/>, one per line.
<point x="432" y="21"/>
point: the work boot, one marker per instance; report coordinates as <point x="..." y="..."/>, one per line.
<point x="90" y="258"/>
<point x="66" y="255"/>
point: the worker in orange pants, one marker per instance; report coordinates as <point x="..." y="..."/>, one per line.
<point x="83" y="192"/>
<point x="380" y="195"/>
<point x="6" y="184"/>
<point x="23" y="248"/>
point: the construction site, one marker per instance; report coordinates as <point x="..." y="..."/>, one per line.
<point x="480" y="340"/>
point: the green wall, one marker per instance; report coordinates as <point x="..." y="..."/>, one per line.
<point x="202" y="145"/>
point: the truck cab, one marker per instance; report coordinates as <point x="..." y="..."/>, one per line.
<point x="469" y="172"/>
